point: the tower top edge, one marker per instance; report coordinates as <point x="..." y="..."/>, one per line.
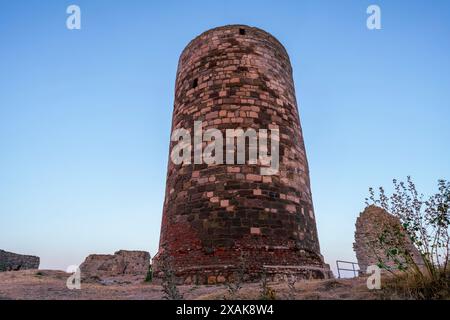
<point x="231" y="27"/>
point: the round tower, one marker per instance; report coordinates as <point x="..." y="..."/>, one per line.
<point x="224" y="220"/>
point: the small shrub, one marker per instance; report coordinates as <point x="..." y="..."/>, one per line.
<point x="267" y="293"/>
<point x="291" y="281"/>
<point x="149" y="277"/>
<point x="234" y="286"/>
<point x="169" y="284"/>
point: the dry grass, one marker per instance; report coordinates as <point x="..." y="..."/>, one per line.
<point x="411" y="286"/>
<point x="342" y="289"/>
<point x="51" y="285"/>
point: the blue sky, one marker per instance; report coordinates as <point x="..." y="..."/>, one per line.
<point x="85" y="115"/>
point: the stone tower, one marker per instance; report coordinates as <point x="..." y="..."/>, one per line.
<point x="222" y="219"/>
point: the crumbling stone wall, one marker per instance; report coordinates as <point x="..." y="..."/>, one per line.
<point x="122" y="263"/>
<point x="217" y="215"/>
<point x="371" y="223"/>
<point x="14" y="262"/>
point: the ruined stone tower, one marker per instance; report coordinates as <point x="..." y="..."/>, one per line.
<point x="220" y="219"/>
<point x="373" y="223"/>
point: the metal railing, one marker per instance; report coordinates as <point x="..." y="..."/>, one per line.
<point x="354" y="270"/>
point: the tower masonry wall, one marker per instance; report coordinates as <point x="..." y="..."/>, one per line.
<point x="220" y="220"/>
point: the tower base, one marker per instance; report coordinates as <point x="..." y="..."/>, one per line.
<point x="219" y="274"/>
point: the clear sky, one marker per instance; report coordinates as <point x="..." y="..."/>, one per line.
<point x="85" y="114"/>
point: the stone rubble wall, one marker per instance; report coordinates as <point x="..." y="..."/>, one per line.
<point x="14" y="262"/>
<point x="122" y="263"/>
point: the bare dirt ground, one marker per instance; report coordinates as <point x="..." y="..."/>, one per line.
<point x="51" y="285"/>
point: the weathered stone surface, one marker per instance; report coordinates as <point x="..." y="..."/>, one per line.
<point x="369" y="226"/>
<point x="13" y="262"/>
<point x="122" y="263"/>
<point x="215" y="215"/>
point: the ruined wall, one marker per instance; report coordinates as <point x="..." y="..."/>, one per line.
<point x="370" y="225"/>
<point x="216" y="216"/>
<point x="122" y="263"/>
<point x="13" y="262"/>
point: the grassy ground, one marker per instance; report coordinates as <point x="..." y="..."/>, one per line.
<point x="50" y="285"/>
